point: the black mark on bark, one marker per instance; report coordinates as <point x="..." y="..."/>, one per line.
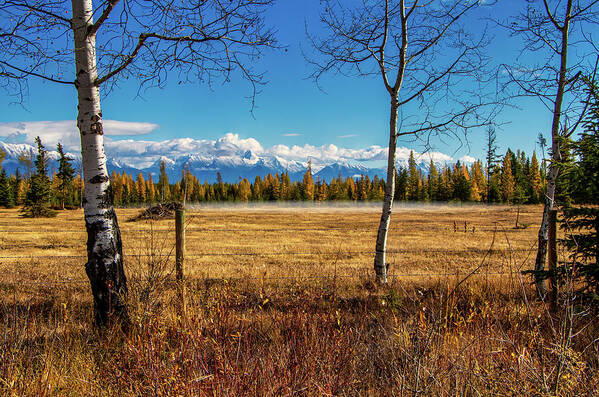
<point x="99" y="179"/>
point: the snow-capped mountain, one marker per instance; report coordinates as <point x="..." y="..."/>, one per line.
<point x="232" y="168"/>
<point x="14" y="151"/>
<point x="345" y="169"/>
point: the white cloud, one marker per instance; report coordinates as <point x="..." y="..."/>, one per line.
<point x="467" y="159"/>
<point x="292" y="134"/>
<point x="347" y="136"/>
<point x="142" y="153"/>
<point x="115" y="127"/>
<point x="66" y="132"/>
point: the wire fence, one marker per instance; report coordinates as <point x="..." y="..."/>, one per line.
<point x="372" y="228"/>
<point x="454" y="227"/>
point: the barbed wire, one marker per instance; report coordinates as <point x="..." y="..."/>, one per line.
<point x="298" y="253"/>
<point x="345" y="229"/>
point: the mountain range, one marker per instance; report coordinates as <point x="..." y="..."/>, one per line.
<point x="231" y="168"/>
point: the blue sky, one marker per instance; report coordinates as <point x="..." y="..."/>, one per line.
<point x="290" y="110"/>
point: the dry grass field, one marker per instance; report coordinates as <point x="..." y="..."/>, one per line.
<point x="280" y="301"/>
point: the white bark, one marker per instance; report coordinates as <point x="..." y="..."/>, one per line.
<point x="544" y="229"/>
<point x="555" y="153"/>
<point x="380" y="264"/>
<point x="104" y="248"/>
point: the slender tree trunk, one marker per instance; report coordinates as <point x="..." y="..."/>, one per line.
<point x="380" y="265"/>
<point x="544" y="229"/>
<point x="104" y="265"/>
<point x="555" y="157"/>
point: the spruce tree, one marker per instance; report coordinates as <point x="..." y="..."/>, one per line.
<point x="15" y="186"/>
<point x="37" y="199"/>
<point x="6" y="196"/>
<point x="566" y="165"/>
<point x="65" y="174"/>
<point x="432" y="182"/>
<point x="492" y="159"/>
<point x="507" y="178"/>
<point x="401" y="184"/>
<point x="163" y="185"/>
<point x="413" y="178"/>
<point x="581" y="217"/>
<point x="461" y="186"/>
<point x="2" y="156"/>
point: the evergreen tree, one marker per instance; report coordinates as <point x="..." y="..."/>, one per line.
<point x="6" y="196"/>
<point x="401" y="184"/>
<point x="492" y="158"/>
<point x="163" y="186"/>
<point x="413" y="179"/>
<point x="517" y="164"/>
<point x="507" y="178"/>
<point x="461" y="187"/>
<point x="16" y="187"/>
<point x="432" y="182"/>
<point x="581" y="219"/>
<point x="536" y="187"/>
<point x="445" y="189"/>
<point x="563" y="183"/>
<point x="37" y="200"/>
<point x="65" y="174"/>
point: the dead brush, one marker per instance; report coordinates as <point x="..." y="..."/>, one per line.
<point x="151" y="272"/>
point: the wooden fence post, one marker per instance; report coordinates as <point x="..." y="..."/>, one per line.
<point x="180" y="258"/>
<point x="552" y="258"/>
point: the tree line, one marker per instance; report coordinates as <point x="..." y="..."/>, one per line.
<point x="36" y="190"/>
<point x="516" y="178"/>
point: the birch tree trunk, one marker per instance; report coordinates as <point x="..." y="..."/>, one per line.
<point x="104" y="265"/>
<point x="555" y="155"/>
<point x="380" y="264"/>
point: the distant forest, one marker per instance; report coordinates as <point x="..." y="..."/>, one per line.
<point x="515" y="178"/>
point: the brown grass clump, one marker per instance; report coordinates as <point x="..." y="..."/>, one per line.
<point x="296" y="324"/>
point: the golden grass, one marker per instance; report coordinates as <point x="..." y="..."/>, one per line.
<point x="281" y="243"/>
<point x="299" y="313"/>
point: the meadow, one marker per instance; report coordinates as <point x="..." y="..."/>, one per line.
<point x="281" y="301"/>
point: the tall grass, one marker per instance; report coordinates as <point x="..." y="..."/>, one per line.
<point x="486" y="334"/>
<point x="274" y="339"/>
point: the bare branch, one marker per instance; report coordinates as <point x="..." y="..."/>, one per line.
<point x="26" y="73"/>
<point x="551" y="17"/>
<point x="145" y="40"/>
<point x="109" y="7"/>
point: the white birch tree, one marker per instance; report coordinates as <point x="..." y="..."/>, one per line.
<point x="430" y="64"/>
<point x="557" y="51"/>
<point x="89" y="45"/>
